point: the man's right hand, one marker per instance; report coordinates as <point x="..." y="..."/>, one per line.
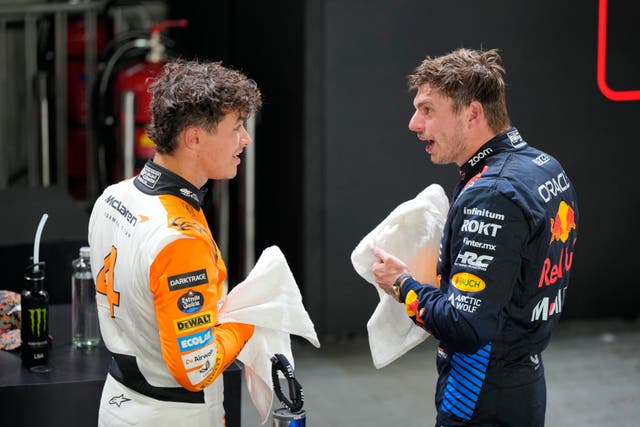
<point x="387" y="269"/>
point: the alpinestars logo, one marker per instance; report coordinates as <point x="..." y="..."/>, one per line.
<point x="38" y="317"/>
<point x="188" y="193"/>
<point x="118" y="400"/>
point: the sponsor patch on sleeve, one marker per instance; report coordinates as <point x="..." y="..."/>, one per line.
<point x="186" y="280"/>
<point x="197" y="358"/>
<point x="195" y="341"/>
<point x="468" y="282"/>
<point x="187" y="324"/>
<point x="191" y="301"/>
<point x="203" y="371"/>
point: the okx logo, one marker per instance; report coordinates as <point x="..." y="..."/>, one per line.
<point x="38" y="317"/>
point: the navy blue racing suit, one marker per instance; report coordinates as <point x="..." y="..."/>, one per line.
<point x="503" y="272"/>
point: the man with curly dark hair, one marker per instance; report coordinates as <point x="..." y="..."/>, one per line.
<point x="158" y="271"/>
<point x="506" y="251"/>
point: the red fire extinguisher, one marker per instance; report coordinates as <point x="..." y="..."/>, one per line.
<point x="131" y="101"/>
<point x="77" y="101"/>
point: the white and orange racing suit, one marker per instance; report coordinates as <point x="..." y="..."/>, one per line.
<point x="159" y="280"/>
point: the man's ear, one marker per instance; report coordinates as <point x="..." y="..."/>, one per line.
<point x="475" y="113"/>
<point x="191" y="136"/>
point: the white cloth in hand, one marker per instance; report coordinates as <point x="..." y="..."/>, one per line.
<point x="411" y="232"/>
<point x="270" y="300"/>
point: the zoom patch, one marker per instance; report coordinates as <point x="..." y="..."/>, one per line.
<point x="186" y="324"/>
<point x="186" y="280"/>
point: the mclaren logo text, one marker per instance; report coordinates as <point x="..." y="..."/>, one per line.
<point x="122" y="210"/>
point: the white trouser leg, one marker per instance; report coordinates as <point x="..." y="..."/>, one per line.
<point x="121" y="406"/>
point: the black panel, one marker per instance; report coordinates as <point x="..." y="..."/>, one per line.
<point x="549" y="49"/>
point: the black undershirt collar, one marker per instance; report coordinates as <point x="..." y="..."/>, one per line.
<point x="508" y="140"/>
<point x="155" y="180"/>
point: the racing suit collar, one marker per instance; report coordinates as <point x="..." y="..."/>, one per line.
<point x="508" y="140"/>
<point x="154" y="179"/>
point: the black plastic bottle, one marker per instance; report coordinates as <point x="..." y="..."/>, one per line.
<point x="35" y="320"/>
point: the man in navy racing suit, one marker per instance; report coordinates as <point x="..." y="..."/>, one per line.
<point x="506" y="251"/>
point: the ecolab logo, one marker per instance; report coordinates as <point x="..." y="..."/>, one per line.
<point x="553" y="187"/>
<point x="192" y="322"/>
<point x="193" y="278"/>
<point x="195" y="341"/>
<point x="546" y="308"/>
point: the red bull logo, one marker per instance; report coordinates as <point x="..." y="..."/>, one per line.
<point x="563" y="223"/>
<point x="556" y="266"/>
<point x="411" y="305"/>
<point x="553" y="271"/>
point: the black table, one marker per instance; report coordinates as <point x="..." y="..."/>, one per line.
<point x="69" y="395"/>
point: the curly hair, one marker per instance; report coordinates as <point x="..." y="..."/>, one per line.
<point x="466" y="75"/>
<point x="192" y="93"/>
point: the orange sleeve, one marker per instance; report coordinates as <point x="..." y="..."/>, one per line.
<point x="186" y="281"/>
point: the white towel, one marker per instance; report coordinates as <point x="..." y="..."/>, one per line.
<point x="411" y="232"/>
<point x="268" y="298"/>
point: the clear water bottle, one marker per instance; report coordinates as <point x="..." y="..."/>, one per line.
<point x="85" y="331"/>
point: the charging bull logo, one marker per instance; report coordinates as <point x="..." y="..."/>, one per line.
<point x="563" y="223"/>
<point x="411" y="305"/>
<point x="38" y="317"/>
<point x="556" y="266"/>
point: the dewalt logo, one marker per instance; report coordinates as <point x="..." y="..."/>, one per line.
<point x="38" y="317"/>
<point x="187" y="324"/>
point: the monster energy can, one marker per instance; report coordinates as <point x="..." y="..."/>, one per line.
<point x="283" y="417"/>
<point x="34" y="329"/>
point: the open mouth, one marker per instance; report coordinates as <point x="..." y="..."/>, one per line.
<point x="429" y="147"/>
